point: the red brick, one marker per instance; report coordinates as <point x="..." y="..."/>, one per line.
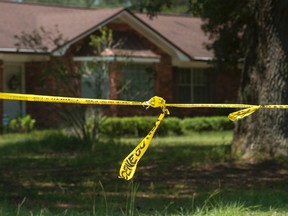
<point x="1" y="89"/>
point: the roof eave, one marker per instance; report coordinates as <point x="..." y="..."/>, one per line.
<point x="129" y="17"/>
<point x="202" y="58"/>
<point x="114" y="58"/>
<point x="59" y="51"/>
<point x="23" y="50"/>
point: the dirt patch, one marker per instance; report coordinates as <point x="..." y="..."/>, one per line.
<point x="227" y="176"/>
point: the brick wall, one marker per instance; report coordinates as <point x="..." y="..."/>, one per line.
<point x="42" y="112"/>
<point x="1" y="89"/>
<point x="164" y="78"/>
<point x="228" y="84"/>
<point x="37" y="82"/>
<point x="113" y="80"/>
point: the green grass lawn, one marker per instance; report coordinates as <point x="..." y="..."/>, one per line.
<point x="47" y="173"/>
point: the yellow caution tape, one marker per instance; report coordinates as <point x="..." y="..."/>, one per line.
<point x="57" y="99"/>
<point x="242" y="113"/>
<point x="129" y="164"/>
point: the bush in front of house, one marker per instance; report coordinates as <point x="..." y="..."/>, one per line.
<point x="139" y="126"/>
<point x="213" y="123"/>
<point x="21" y="124"/>
<point x="128" y="126"/>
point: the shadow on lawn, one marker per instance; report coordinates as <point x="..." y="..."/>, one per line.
<point x="58" y="173"/>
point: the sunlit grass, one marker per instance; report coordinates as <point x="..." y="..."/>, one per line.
<point x="192" y="138"/>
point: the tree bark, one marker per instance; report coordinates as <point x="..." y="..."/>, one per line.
<point x="265" y="81"/>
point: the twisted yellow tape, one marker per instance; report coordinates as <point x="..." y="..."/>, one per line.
<point x="129" y="164"/>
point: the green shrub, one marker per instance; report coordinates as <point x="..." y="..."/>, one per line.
<point x="139" y="126"/>
<point x="127" y="126"/>
<point x="214" y="123"/>
<point x="21" y="124"/>
<point x="171" y="125"/>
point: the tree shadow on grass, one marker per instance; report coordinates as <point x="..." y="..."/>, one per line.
<point x="56" y="172"/>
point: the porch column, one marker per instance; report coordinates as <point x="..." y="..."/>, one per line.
<point x="164" y="78"/>
<point x="1" y="89"/>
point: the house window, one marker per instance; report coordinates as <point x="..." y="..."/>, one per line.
<point x="136" y="82"/>
<point x="192" y="85"/>
<point x="94" y="81"/>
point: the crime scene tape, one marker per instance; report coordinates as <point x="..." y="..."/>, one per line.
<point x="129" y="164"/>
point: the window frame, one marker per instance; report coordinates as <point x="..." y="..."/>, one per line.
<point x="143" y="75"/>
<point x="191" y="82"/>
<point x="89" y="80"/>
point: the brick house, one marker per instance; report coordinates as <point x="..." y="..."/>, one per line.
<point x="166" y="57"/>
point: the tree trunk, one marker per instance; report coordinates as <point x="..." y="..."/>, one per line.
<point x="265" y="81"/>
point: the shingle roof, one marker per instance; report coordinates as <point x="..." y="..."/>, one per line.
<point x="183" y="32"/>
<point x="71" y="22"/>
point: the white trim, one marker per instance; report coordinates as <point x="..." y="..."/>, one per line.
<point x="61" y="51"/>
<point x="198" y="58"/>
<point x="22" y="50"/>
<point x="118" y="59"/>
